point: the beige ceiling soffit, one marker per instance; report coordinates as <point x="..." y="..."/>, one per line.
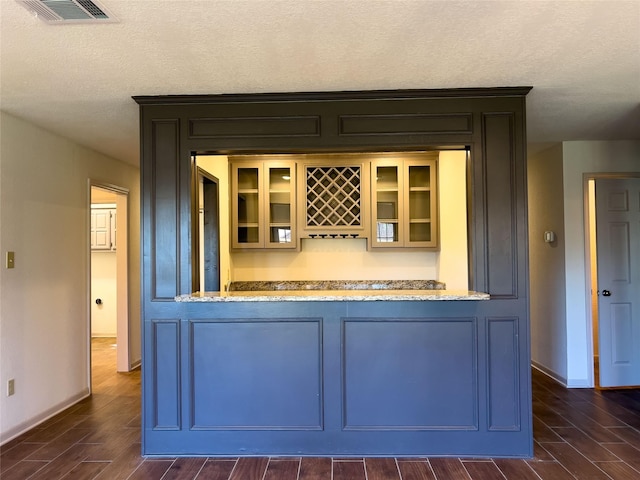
<point x="68" y="11"/>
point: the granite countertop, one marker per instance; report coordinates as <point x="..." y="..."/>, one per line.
<point x="262" y="286"/>
<point x="334" y="291"/>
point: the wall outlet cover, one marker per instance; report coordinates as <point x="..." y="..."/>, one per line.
<point x="11" y="260"/>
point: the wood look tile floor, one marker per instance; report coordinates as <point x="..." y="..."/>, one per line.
<point x="579" y="434"/>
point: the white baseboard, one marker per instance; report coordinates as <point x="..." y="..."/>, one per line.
<point x="579" y="383"/>
<point x="550" y="373"/>
<point x="25" y="426"/>
<point x="132" y="367"/>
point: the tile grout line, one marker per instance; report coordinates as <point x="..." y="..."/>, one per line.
<point x="266" y="468"/>
<point x="398" y="469"/>
<point x="499" y="469"/>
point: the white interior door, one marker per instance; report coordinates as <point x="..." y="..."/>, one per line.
<point x="618" y="247"/>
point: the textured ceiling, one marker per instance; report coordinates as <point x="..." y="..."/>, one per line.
<point x="582" y="58"/>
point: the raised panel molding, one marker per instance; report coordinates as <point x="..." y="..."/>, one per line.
<point x="620" y="266"/>
<point x="502" y="235"/>
<point x="166" y="375"/>
<point x="405" y="124"/>
<point x="165" y="238"/>
<point x="503" y="381"/>
<point x="622" y="349"/>
<point x="618" y="201"/>
<point x="422" y="374"/>
<point x="370" y="378"/>
<point x="256" y="374"/>
<point x="248" y="127"/>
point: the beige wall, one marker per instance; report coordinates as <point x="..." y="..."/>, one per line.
<point x="44" y="218"/>
<point x="453" y="266"/>
<point x="546" y="263"/>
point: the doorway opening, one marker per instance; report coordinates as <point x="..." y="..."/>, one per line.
<point x="210" y="193"/>
<point x="208" y="231"/>
<point x="108" y="271"/>
<point x="593" y="262"/>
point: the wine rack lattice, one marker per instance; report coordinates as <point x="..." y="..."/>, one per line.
<point x="333" y="196"/>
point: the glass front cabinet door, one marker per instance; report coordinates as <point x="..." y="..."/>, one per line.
<point x="280" y="205"/>
<point x="262" y="204"/>
<point x="404" y="203"/>
<point x="386" y="207"/>
<point x="421" y="203"/>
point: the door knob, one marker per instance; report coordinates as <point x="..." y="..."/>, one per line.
<point x="606" y="293"/>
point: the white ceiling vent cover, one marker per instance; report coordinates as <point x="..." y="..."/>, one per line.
<point x="68" y="11"/>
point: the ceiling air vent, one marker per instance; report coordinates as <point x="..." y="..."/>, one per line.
<point x="68" y="11"/>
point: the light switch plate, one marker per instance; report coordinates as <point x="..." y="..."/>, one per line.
<point x="11" y="260"/>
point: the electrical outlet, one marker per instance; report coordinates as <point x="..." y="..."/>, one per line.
<point x="11" y="387"/>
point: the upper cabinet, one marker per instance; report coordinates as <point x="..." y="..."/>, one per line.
<point x="404" y="202"/>
<point x="262" y="204"/>
<point x="103" y="227"/>
<point x="391" y="199"/>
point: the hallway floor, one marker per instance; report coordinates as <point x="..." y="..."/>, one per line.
<point x="579" y="434"/>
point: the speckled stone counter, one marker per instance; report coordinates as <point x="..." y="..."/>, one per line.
<point x="337" y="285"/>
<point x="332" y="296"/>
<point x="334" y="291"/>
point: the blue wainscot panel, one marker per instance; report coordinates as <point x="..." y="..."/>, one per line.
<point x="256" y="374"/>
<point x="338" y="378"/>
<point x="410" y="374"/>
<point x="166" y="361"/>
<point x="503" y="374"/>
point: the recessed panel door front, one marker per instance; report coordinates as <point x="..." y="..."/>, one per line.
<point x="618" y="241"/>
